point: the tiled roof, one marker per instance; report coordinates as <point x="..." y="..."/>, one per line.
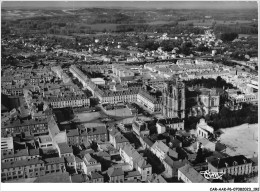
<point x="113" y="172"/>
<point x="132" y="174"/>
<point x="70" y="159"/>
<point x="137" y="158"/>
<point x="20" y="163"/>
<point x="230" y="161"/>
<point x="54" y="178"/>
<point x="169" y="121"/>
<point x="77" y="178"/>
<point x="97" y="130"/>
<point x="54" y="160"/>
<point x="120" y="138"/>
<point x="148" y="141"/>
<point x="147" y="96"/>
<point x="73" y="132"/>
<point x="64" y="148"/>
<point x="22" y="152"/>
<point x="78" y="160"/>
<point x="68" y="98"/>
<point x="33" y="152"/>
<point x="192" y="174"/>
<point x="159" y="179"/>
<point x="89" y="158"/>
<point x="95" y="175"/>
<point x="103" y="154"/>
<point x="174" y="164"/>
<point x="18" y="123"/>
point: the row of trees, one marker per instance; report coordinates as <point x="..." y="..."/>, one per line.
<point x="228" y="36"/>
<point x="227" y="118"/>
<point x="209" y="83"/>
<point x="242" y="29"/>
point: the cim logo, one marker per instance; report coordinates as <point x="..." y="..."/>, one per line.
<point x="212" y="175"/>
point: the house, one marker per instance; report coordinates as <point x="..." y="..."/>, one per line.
<point x="157" y="179"/>
<point x="79" y="178"/>
<point x="54" y="165"/>
<point x="71" y="163"/>
<point x="161" y="150"/>
<point x="64" y="150"/>
<point x="45" y="141"/>
<point x="172" y="123"/>
<point x="21" y="154"/>
<point x="137" y="161"/>
<point x="232" y="165"/>
<point x="54" y="178"/>
<point x="174" y="143"/>
<point x="188" y="174"/>
<point x="146" y="142"/>
<point x="148" y="101"/>
<point x="254" y="164"/>
<point x="22" y="169"/>
<point x="206" y="144"/>
<point x="140" y="127"/>
<point x="73" y="137"/>
<point x="103" y="155"/>
<point x="97" y="134"/>
<point x="80" y="165"/>
<point x="96" y="177"/>
<point x="117" y="139"/>
<point x="91" y="164"/>
<point x="55" y="133"/>
<point x="160" y="128"/>
<point x="116" y="175"/>
<point x="203" y="130"/>
<point x="34" y="153"/>
<point x="132" y="175"/>
<point x="171" y="166"/>
<point x="32" y="127"/>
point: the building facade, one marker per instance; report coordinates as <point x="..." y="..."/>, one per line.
<point x="173" y="100"/>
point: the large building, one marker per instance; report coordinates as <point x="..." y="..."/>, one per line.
<point x="203" y="130"/>
<point x="7" y="144"/>
<point x="137" y="161"/>
<point x="210" y="101"/>
<point x="234" y="165"/>
<point x="22" y="169"/>
<point x="147" y="100"/>
<point x="31" y="127"/>
<point x="79" y="75"/>
<point x="188" y="174"/>
<point x="173" y="100"/>
<point x="70" y="101"/>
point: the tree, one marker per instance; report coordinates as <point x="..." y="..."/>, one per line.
<point x="228" y="36"/>
<point x="199" y="157"/>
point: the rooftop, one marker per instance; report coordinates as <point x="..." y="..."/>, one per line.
<point x="54" y="178"/>
<point x="96" y="175"/>
<point x="54" y="160"/>
<point x="230" y="161"/>
<point x="64" y="148"/>
<point x="21" y="163"/>
<point x="132" y="174"/>
<point x="192" y="174"/>
<point x="113" y="172"/>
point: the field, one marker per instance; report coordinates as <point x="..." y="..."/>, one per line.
<point x="84" y="117"/>
<point x="125" y="112"/>
<point x="241" y="140"/>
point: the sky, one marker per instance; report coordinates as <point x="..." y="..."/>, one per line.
<point x="133" y="4"/>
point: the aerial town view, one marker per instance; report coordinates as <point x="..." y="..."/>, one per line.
<point x="129" y="92"/>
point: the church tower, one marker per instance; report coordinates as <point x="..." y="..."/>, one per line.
<point x="173" y="100"/>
